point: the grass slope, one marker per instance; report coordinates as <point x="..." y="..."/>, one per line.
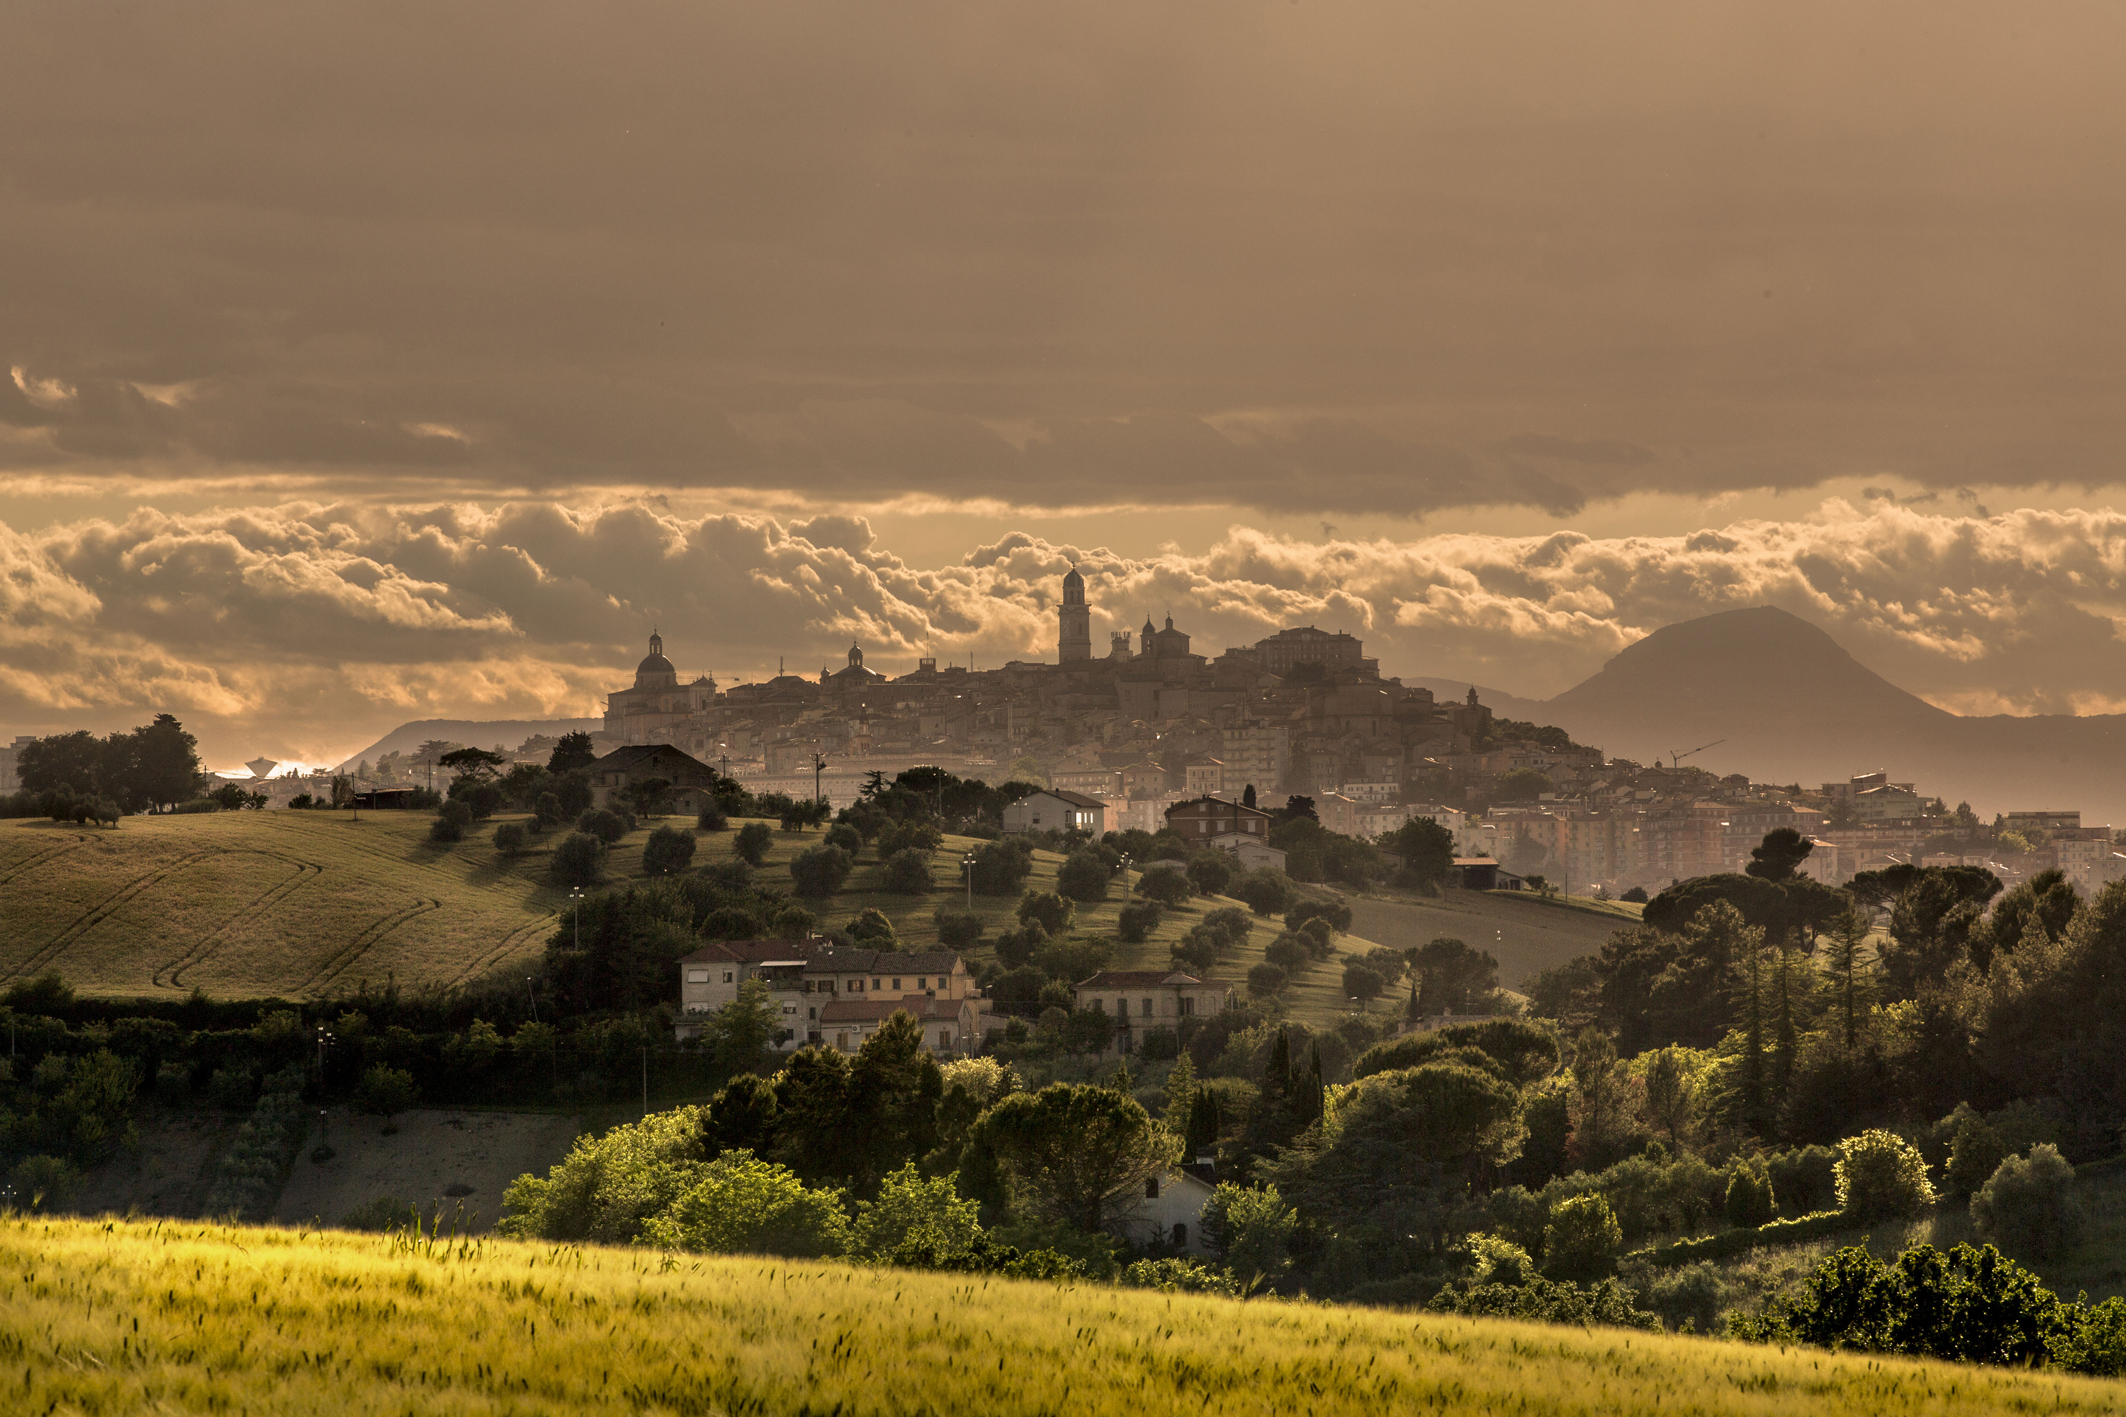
<point x="120" y="1317"/>
<point x="1524" y="932"/>
<point x="309" y="904"/>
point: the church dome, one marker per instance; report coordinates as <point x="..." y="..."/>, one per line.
<point x="655" y="671"/>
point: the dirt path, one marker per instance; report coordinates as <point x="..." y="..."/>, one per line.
<point x="437" y="1156"/>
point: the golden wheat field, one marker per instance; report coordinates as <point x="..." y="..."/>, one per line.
<point x="120" y="1316"/>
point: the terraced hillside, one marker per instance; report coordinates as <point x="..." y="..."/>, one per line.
<point x="308" y="904"/>
<point x="271" y="1321"/>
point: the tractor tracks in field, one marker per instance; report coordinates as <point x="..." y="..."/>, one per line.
<point x="35" y="859"/>
<point x="501" y="949"/>
<point x="104" y="909"/>
<point x="171" y="975"/>
<point x="345" y="956"/>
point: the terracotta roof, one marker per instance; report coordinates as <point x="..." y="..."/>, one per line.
<point x="841" y="959"/>
<point x="754" y="951"/>
<point x="1142" y="979"/>
<point x="922" y="1007"/>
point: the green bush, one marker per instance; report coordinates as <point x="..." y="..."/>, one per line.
<point x="173" y="1084"/>
<point x="1288" y="952"/>
<point x="669" y="851"/>
<point x="1137" y="921"/>
<point x="752" y="843"/>
<point x="385" y="1092"/>
<point x="1548" y="1301"/>
<point x="958" y="929"/>
<point x="712" y="819"/>
<point x="578" y="860"/>
<point x="382" y="1213"/>
<point x="819" y="870"/>
<point x="1210" y="872"/>
<point x="1582" y="1238"/>
<point x="907" y="872"/>
<point x="511" y="838"/>
<point x="1084" y="876"/>
<point x="1265" y="980"/>
<point x="232" y="1087"/>
<point x="1749" y="1197"/>
<point x="2028" y="1207"/>
<point x="1054" y="913"/>
<point x="1266" y="890"/>
<point x="605" y="825"/>
<point x="247" y="1179"/>
<point x="44" y="1183"/>
<point x="847" y="837"/>
<point x="1690" y="1297"/>
<point x="1167" y="885"/>
<point x="1804" y="1179"/>
<point x="1975" y="1154"/>
<point x="451" y="823"/>
<point x="1881" y="1176"/>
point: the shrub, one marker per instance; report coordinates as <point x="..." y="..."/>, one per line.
<point x="873" y="930"/>
<point x="730" y="922"/>
<point x="2027" y="1207"/>
<point x="1198" y="953"/>
<point x="1084" y="876"/>
<point x="484" y="798"/>
<point x="1881" y="1176"/>
<point x="1267" y="979"/>
<point x="712" y="819"/>
<point x="738" y="1204"/>
<point x="1336" y="912"/>
<point x="1361" y="982"/>
<point x="1166" y="884"/>
<point x="908" y="872"/>
<point x="792" y="922"/>
<point x="1266" y="890"/>
<point x="579" y="860"/>
<point x="607" y="826"/>
<point x="1749" y="1197"/>
<point x="1288" y="952"/>
<point x="1051" y="910"/>
<point x="385" y="1092"/>
<point x="895" y="835"/>
<point x="1001" y="867"/>
<point x="1582" y="1238"/>
<point x="1804" y="1180"/>
<point x="248" y="1176"/>
<point x="511" y="838"/>
<point x="1211" y="872"/>
<point x="382" y="1213"/>
<point x="669" y="851"/>
<point x="1318" y="936"/>
<point x="820" y="870"/>
<point x="233" y="1087"/>
<point x="752" y="843"/>
<point x="1975" y="1154"/>
<point x="1159" y="1044"/>
<point x="546" y="811"/>
<point x="1548" y="1301"/>
<point x="846" y="837"/>
<point x="1689" y="1298"/>
<point x="173" y="1084"/>
<point x="1137" y="921"/>
<point x="958" y="929"/>
<point x="45" y="1183"/>
<point x="451" y="823"/>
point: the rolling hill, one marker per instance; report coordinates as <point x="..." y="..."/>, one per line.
<point x="310" y="904"/>
<point x="474" y="733"/>
<point x="1794" y="706"/>
<point x="128" y="1316"/>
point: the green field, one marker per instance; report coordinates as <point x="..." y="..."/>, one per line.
<point x="122" y="1316"/>
<point x="312" y="904"/>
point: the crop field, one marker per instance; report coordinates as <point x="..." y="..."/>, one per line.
<point x="253" y="903"/>
<point x="122" y="1316"/>
<point x="311" y="904"/>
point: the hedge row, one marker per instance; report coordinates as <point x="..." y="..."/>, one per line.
<point x="1739" y="1241"/>
<point x="248" y="1179"/>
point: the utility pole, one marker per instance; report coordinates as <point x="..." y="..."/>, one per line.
<point x="534" y="997"/>
<point x="819" y="765"/>
<point x="576" y="898"/>
<point x="645" y="1080"/>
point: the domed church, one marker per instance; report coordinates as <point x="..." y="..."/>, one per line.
<point x="658" y="703"/>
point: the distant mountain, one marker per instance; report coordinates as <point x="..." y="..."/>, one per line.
<point x="1793" y="706"/>
<point x="508" y="732"/>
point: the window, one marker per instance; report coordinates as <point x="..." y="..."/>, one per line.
<point x="1151" y="1188"/>
<point x="812" y="1013"/>
<point x="727" y="976"/>
<point x="944" y="1038"/>
<point x="1188" y="1006"/>
<point x="1099" y="1006"/>
<point x="701" y="976"/>
<point x="1147" y="1008"/>
<point x="1180" y="1235"/>
<point x="878" y="983"/>
<point x="856" y="986"/>
<point x="896" y="983"/>
<point x="1121" y="1008"/>
<point x="922" y="984"/>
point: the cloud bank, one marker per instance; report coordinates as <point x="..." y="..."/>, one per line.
<point x="302" y="629"/>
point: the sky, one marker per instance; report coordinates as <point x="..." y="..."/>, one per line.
<point x="400" y="361"/>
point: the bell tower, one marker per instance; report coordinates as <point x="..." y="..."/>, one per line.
<point x="1074" y="622"/>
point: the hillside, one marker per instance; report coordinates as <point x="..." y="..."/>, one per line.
<point x="311" y="904"/>
<point x="1524" y="933"/>
<point x="475" y="733"/>
<point x="273" y="1321"/>
<point x="1793" y="706"/>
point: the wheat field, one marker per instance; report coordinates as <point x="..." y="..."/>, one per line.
<point x="119" y="1316"/>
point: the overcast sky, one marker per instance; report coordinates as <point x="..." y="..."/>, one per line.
<point x="373" y="362"/>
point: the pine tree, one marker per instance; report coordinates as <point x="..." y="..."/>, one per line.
<point x="1785" y="987"/>
<point x="1122" y="1082"/>
<point x="1308" y="1091"/>
<point x="1180" y="1095"/>
<point x="1750" y="987"/>
<point x="1849" y="976"/>
<point x="1277" y="1077"/>
<point x="1204" y="1125"/>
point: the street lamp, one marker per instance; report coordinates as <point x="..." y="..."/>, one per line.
<point x="576" y="899"/>
<point x="534" y="997"/>
<point x="1127" y="859"/>
<point x="967" y="865"/>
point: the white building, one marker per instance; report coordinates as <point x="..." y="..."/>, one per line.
<point x="10" y="756"/>
<point x="1055" y="810"/>
<point x="1250" y="850"/>
<point x="1170" y="1212"/>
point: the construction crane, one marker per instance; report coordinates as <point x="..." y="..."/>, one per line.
<point x="1675" y="759"/>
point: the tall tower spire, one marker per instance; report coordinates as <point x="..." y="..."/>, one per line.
<point x="1074" y="622"/>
